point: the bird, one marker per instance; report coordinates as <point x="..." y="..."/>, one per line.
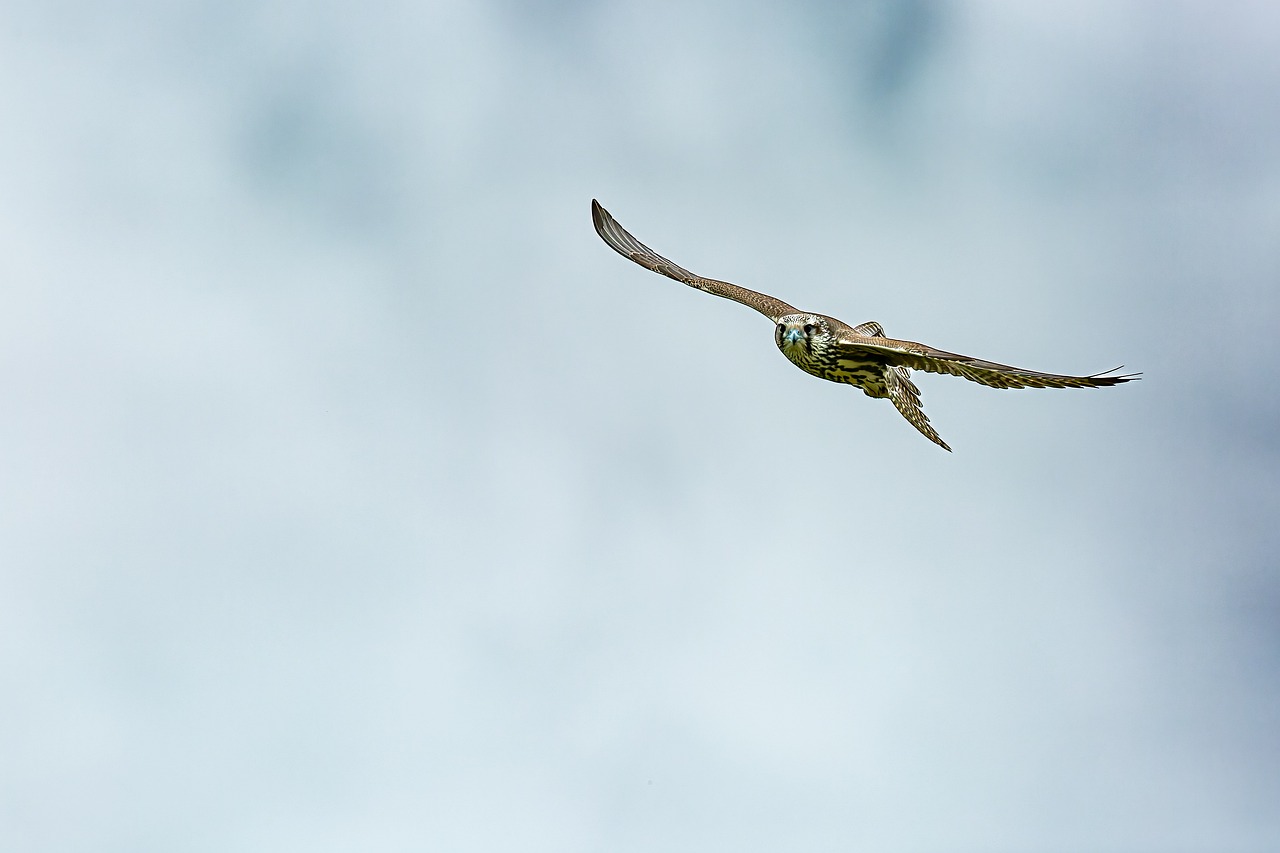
<point x="862" y="355"/>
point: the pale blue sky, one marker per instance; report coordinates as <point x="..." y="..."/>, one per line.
<point x="354" y="495"/>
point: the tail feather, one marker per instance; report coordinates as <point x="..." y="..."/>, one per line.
<point x="906" y="399"/>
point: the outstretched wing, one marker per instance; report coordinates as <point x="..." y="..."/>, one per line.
<point x="921" y="357"/>
<point x="629" y="247"/>
<point x="906" y="398"/>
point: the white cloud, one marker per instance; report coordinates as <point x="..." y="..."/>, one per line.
<point x="352" y="490"/>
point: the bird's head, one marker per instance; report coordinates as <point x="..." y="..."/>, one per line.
<point x="800" y="334"/>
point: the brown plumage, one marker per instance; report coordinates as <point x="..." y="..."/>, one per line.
<point x="855" y="355"/>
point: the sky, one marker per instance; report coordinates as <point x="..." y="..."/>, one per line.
<point x="354" y="495"/>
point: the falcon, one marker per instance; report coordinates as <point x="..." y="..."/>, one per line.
<point x="860" y="355"/>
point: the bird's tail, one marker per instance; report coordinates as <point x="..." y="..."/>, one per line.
<point x="906" y="399"/>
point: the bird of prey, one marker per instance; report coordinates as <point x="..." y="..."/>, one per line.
<point x="860" y="355"/>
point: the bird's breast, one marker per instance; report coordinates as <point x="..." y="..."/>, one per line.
<point x="844" y="370"/>
<point x="798" y="353"/>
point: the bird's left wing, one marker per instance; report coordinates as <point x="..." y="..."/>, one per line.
<point x="629" y="247"/>
<point x="917" y="356"/>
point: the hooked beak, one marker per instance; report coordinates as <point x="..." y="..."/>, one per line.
<point x="792" y="336"/>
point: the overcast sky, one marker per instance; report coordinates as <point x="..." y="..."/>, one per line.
<point x="355" y="496"/>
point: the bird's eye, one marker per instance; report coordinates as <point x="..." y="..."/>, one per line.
<point x="808" y="328"/>
<point x="782" y="328"/>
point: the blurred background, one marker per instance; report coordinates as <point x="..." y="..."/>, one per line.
<point x="354" y="495"/>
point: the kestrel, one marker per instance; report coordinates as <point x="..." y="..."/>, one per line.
<point x="856" y="355"/>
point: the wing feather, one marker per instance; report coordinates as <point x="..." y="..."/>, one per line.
<point x="918" y="356"/>
<point x="621" y="241"/>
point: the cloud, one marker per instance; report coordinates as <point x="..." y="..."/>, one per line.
<point x="353" y="490"/>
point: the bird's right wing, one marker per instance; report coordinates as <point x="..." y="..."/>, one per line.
<point x="629" y="247"/>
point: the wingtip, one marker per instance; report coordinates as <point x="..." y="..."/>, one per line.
<point x="1109" y="379"/>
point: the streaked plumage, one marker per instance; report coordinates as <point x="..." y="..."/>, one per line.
<point x="855" y="355"/>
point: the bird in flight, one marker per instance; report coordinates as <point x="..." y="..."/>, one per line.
<point x="860" y="355"/>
